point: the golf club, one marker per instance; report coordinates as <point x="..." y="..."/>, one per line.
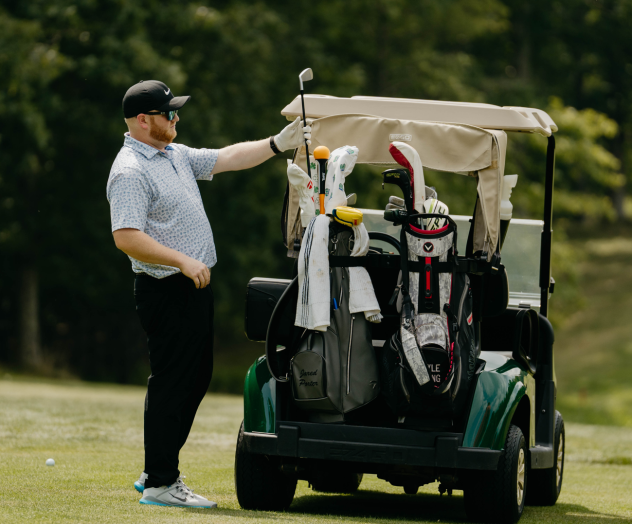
<point x="434" y="206"/>
<point x="321" y="154"/>
<point x="305" y="76"/>
<point x="400" y="178"/>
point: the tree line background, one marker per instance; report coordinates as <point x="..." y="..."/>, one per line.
<point x="66" y="299"/>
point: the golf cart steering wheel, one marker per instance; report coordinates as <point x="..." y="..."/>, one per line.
<point x="384" y="237"/>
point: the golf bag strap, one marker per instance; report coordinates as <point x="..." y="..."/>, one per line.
<point x="428" y="286"/>
<point x="437" y="267"/>
<point x="454" y="265"/>
<point x="372" y="261"/>
<point x="404" y="262"/>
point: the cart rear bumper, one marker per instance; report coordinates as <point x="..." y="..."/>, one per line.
<point x="371" y="445"/>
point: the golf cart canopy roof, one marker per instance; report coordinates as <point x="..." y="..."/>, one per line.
<point x="486" y="116"/>
<point x="454" y="148"/>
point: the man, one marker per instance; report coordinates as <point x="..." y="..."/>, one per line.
<point x="159" y="221"/>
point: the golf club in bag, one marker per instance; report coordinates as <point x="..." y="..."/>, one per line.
<point x="305" y="76"/>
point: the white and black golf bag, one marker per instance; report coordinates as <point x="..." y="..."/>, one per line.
<point x="427" y="366"/>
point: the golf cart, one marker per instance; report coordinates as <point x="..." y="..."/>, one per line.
<point x="503" y="444"/>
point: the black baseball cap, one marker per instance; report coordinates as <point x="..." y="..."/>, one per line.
<point x="150" y="95"/>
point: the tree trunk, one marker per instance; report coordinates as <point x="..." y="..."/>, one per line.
<point x="523" y="28"/>
<point x="30" y="350"/>
<point x="621" y="150"/>
<point x="618" y="201"/>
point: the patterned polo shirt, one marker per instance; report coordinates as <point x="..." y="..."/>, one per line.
<point x="157" y="193"/>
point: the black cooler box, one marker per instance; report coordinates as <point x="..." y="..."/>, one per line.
<point x="262" y="296"/>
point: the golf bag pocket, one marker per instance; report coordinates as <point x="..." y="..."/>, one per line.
<point x="308" y="373"/>
<point x="400" y="388"/>
<point x="438" y="363"/>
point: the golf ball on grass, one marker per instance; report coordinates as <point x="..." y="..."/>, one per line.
<point x="50" y="462"/>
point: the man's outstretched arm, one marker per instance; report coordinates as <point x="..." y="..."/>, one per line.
<point x="250" y="154"/>
<point x="142" y="247"/>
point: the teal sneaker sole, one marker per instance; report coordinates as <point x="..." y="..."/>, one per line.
<point x="150" y="503"/>
<point x="139" y="487"/>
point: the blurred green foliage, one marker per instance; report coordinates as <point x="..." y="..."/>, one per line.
<point x="66" y="64"/>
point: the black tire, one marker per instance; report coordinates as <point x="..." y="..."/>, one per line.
<point x="258" y="482"/>
<point x="546" y="484"/>
<point x="411" y="489"/>
<point x="499" y="496"/>
<point x="340" y="482"/>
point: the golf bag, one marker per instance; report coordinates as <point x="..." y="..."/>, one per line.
<point x="427" y="366"/>
<point x="335" y="372"/>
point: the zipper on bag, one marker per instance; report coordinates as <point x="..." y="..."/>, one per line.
<point x="349" y="356"/>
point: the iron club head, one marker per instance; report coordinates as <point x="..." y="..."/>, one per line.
<point x="305" y="76"/>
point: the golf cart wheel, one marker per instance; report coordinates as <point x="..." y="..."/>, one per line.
<point x="258" y="482"/>
<point x="545" y="484"/>
<point x="341" y="482"/>
<point x="499" y="496"/>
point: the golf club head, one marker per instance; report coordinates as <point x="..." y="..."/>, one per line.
<point x="400" y="178"/>
<point x="305" y="76"/>
<point x="431" y="192"/>
<point x="352" y="199"/>
<point x="396" y="201"/>
<point x="435" y="206"/>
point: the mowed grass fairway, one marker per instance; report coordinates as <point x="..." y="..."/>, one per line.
<point x="94" y="433"/>
<point x="593" y="350"/>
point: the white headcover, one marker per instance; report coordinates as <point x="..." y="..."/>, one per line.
<point x="407" y="157"/>
<point x="305" y="188"/>
<point x="341" y="163"/>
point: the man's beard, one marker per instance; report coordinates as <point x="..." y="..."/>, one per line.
<point x="165" y="136"/>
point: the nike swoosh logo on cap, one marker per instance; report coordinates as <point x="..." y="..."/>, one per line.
<point x="167" y="91"/>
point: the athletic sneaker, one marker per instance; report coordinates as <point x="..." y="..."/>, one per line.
<point x="139" y="485"/>
<point x="177" y="495"/>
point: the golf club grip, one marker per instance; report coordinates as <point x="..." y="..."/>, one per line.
<point x="322" y="181"/>
<point x="309" y="171"/>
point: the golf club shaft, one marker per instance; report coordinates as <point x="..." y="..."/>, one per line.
<point x="309" y="171"/>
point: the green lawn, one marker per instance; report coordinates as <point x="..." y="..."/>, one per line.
<point x="94" y="432"/>
<point x="594" y="347"/>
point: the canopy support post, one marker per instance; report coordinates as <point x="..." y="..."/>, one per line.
<point x="545" y="245"/>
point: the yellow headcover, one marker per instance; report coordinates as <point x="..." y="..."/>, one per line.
<point x="349" y="216"/>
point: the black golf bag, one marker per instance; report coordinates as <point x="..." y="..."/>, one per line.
<point x="426" y="367"/>
<point x="335" y="372"/>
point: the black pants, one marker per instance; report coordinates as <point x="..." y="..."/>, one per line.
<point x="178" y="320"/>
